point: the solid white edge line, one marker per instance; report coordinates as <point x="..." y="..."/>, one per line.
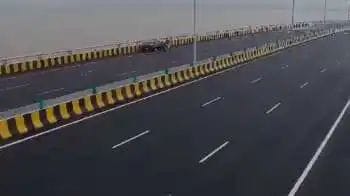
<point x="318" y="152"/>
<point x="212" y="101"/>
<point x="273" y="108"/>
<point x="213" y="152"/>
<point x="131" y="139"/>
<point x="304" y="85"/>
<point x="256" y="80"/>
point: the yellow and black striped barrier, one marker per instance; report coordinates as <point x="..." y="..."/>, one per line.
<point x="23" y="125"/>
<point x="34" y="122"/>
<point x="7" y="69"/>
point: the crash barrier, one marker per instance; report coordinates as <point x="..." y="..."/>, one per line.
<point x="27" y="123"/>
<point x="17" y="65"/>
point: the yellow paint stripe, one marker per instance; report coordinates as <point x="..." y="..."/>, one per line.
<point x="65" y="60"/>
<point x="15" y="68"/>
<point x="35" y="116"/>
<point x="167" y="80"/>
<point x="52" y="61"/>
<point x="46" y="62"/>
<point x="23" y="67"/>
<point x="179" y="77"/>
<point x="212" y="67"/>
<point x="138" y="92"/>
<point x="186" y="77"/>
<point x="99" y="101"/>
<point x="76" y="107"/>
<point x="191" y="73"/>
<point x="120" y="96"/>
<point x="160" y="83"/>
<point x="20" y="124"/>
<point x="38" y="64"/>
<point x="153" y="84"/>
<point x="110" y="98"/>
<point x="72" y="60"/>
<point x="63" y="111"/>
<point x="7" y="69"/>
<point x="129" y="94"/>
<point x="50" y="115"/>
<point x="145" y="87"/>
<point x="4" y="130"/>
<point x="201" y="70"/>
<point x="88" y="104"/>
<point x="173" y="79"/>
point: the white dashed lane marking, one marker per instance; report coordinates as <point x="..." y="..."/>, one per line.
<point x="211" y="102"/>
<point x="131" y="139"/>
<point x="14" y="87"/>
<point x="51" y="91"/>
<point x="213" y="152"/>
<point x="323" y="70"/>
<point x="256" y="80"/>
<point x="285" y="67"/>
<point x="304" y="85"/>
<point x="273" y="108"/>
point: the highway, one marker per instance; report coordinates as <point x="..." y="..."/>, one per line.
<point x="31" y="87"/>
<point x="249" y="131"/>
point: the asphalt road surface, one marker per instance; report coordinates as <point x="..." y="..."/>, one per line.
<point x="248" y="131"/>
<point x="32" y="87"/>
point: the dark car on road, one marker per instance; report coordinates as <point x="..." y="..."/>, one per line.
<point x="154" y="45"/>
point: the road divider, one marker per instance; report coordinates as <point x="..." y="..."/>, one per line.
<point x="42" y="61"/>
<point x="25" y="124"/>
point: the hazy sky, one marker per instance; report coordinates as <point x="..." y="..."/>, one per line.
<point x="29" y="26"/>
<point x="300" y="4"/>
<point x="287" y="3"/>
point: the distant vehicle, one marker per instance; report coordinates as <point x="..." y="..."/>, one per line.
<point x="154" y="45"/>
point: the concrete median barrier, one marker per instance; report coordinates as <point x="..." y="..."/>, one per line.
<point x="20" y="65"/>
<point x="32" y="122"/>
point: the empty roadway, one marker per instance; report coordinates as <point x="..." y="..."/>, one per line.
<point x="248" y="131"/>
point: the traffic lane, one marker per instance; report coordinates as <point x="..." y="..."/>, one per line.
<point x="297" y="56"/>
<point x="76" y="157"/>
<point x="330" y="174"/>
<point x="103" y="173"/>
<point x="125" y="121"/>
<point x="276" y="158"/>
<point x="270" y="65"/>
<point x="218" y="47"/>
<point x="41" y="92"/>
<point x="83" y="77"/>
<point x="284" y="146"/>
<point x="98" y="142"/>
